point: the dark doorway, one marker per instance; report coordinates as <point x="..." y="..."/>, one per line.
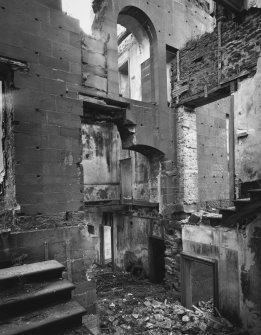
<point x="156" y="258"/>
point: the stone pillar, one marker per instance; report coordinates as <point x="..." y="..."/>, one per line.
<point x="187" y="158"/>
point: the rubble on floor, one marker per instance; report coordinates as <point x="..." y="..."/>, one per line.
<point x="147" y="309"/>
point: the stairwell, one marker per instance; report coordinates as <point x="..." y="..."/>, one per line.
<point x="239" y="215"/>
<point x="34" y="299"/>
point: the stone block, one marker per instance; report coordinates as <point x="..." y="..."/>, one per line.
<point x="94" y="45"/>
<point x="54" y="63"/>
<point x="62" y="21"/>
<point x="93" y="58"/>
<point x="94" y="81"/>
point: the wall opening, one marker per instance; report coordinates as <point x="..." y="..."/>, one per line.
<point x="199" y="282"/>
<point x="124" y="79"/>
<point x="156" y="259"/>
<point x="171" y="54"/>
<point x="106" y="239"/>
<point x="135" y="39"/>
<point x="126" y="179"/>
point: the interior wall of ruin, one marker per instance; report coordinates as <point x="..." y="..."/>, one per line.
<point x="213" y="153"/>
<point x="248" y="133"/>
<point x="237" y="253"/>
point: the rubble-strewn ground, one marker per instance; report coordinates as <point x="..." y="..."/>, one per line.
<point x="149" y="309"/>
<point x="129" y="306"/>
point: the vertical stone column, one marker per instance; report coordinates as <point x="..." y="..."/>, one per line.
<point x="187" y="158"/>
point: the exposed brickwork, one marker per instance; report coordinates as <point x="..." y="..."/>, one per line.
<point x="239" y="50"/>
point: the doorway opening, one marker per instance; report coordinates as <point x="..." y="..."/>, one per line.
<point x="199" y="283"/>
<point x="106" y="247"/>
<point x="156" y="259"/>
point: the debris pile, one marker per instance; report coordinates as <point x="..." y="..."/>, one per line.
<point x="130" y="313"/>
<point x="106" y="279"/>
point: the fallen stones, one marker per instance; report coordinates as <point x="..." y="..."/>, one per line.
<point x="128" y="313"/>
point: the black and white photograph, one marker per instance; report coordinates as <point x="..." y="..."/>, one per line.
<point x="130" y="167"/>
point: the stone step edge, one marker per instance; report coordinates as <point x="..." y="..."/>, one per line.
<point x="74" y="310"/>
<point x="30" y="270"/>
<point x="50" y="290"/>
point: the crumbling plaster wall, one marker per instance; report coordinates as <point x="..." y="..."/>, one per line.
<point x="100" y="162"/>
<point x="132" y="236"/>
<point x="101" y="156"/>
<point x="239" y="273"/>
<point x="248" y="129"/>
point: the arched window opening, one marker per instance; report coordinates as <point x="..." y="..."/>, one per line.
<point x="134" y="59"/>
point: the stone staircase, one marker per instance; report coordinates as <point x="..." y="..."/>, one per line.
<point x="242" y="210"/>
<point x="34" y="299"/>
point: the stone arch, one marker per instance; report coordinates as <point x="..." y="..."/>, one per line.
<point x="138" y="24"/>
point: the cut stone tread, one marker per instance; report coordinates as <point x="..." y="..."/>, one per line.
<point x="228" y="209"/>
<point x="29" y="269"/>
<point x="257" y="190"/>
<point x="245" y="200"/>
<point x="39" y="319"/>
<point x="39" y="290"/>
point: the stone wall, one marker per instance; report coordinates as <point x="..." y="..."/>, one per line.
<point x="213" y="151"/>
<point x="230" y="51"/>
<point x="173" y="244"/>
<point x="46" y="110"/>
<point x="238" y="256"/>
<point x="73" y="247"/>
<point x="248" y="135"/>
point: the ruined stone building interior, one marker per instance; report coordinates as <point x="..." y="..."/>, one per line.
<point x="130" y="167"/>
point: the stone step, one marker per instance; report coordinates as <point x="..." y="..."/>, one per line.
<point x="241" y="203"/>
<point x="45" y="320"/>
<point x="255" y="195"/>
<point x="212" y="219"/>
<point x="42" y="270"/>
<point x="227" y="212"/>
<point x="32" y="295"/>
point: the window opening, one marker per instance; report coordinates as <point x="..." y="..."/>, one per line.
<point x="133" y="60"/>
